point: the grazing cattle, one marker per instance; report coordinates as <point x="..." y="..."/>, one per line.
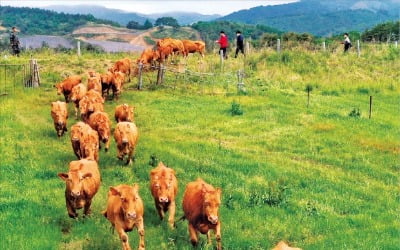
<point x="59" y="113"/>
<point x="124" y="66"/>
<point x="92" y="73"/>
<point x="82" y="183"/>
<point x="164" y="187"/>
<point x="106" y="82"/>
<point x="124" y="113"/>
<point x="77" y="93"/>
<point x="126" y="136"/>
<point x="91" y="102"/>
<point x="100" y="122"/>
<point x="65" y="87"/>
<point x="89" y="144"/>
<point x="201" y="203"/>
<point x="148" y="56"/>
<point x="77" y="131"/>
<point x="168" y="46"/>
<point x="125" y="212"/>
<point x="193" y="47"/>
<point x="95" y="84"/>
<point x="283" y="246"/>
<point x="116" y="84"/>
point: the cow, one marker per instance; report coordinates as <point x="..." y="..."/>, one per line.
<point x="201" y="203"/>
<point x="167" y="46"/>
<point x="100" y="122"/>
<point x="77" y="131"/>
<point x="124" y="113"/>
<point x="193" y="47"/>
<point x="124" y="66"/>
<point x="125" y="212"/>
<point x="126" y="136"/>
<point x="116" y="84"/>
<point x="106" y="81"/>
<point x="164" y="187"/>
<point x="59" y="113"/>
<point x="77" y="93"/>
<point x="95" y="84"/>
<point x="89" y="144"/>
<point x="91" y="102"/>
<point x="81" y="184"/>
<point x="283" y="246"/>
<point x="65" y="87"/>
<point x="92" y="73"/>
<point x="148" y="56"/>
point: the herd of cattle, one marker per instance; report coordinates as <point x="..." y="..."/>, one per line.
<point x="124" y="208"/>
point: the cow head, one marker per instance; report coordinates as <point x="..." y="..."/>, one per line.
<point x="59" y="87"/>
<point x="74" y="181"/>
<point x="162" y="183"/>
<point x="212" y="201"/>
<point x="76" y="132"/>
<point x="129" y="197"/>
<point x="104" y="132"/>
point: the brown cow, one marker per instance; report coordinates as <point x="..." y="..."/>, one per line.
<point x="125" y="212"/>
<point x="148" y="56"/>
<point x="91" y="102"/>
<point x="124" y="66"/>
<point x="168" y="46"/>
<point x="116" y="84"/>
<point x="82" y="183"/>
<point x="106" y="81"/>
<point x="126" y="136"/>
<point x="77" y="130"/>
<point x="124" y="113"/>
<point x="193" y="47"/>
<point x="89" y="144"/>
<point x="95" y="84"/>
<point x="100" y="122"/>
<point x="59" y="113"/>
<point x="77" y="93"/>
<point x="283" y="246"/>
<point x="65" y="87"/>
<point x="201" y="203"/>
<point x="164" y="187"/>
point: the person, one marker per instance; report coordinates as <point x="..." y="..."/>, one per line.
<point x="239" y="43"/>
<point x="346" y="42"/>
<point x="14" y="42"/>
<point x="223" y="43"/>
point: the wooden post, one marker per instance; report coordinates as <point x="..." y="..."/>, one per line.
<point x="396" y="44"/>
<point x="159" y="74"/>
<point x="278" y="45"/>
<point x="358" y="48"/>
<point x="240" y="85"/>
<point x="78" y="45"/>
<point x="323" y="46"/>
<point x="221" y="59"/>
<point x="34" y="71"/>
<point x="140" y="67"/>
<point x="247" y="51"/>
<point x="370" y="106"/>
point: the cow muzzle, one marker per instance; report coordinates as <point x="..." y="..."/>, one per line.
<point x="124" y="141"/>
<point x="163" y="199"/>
<point x="131" y="215"/>
<point x="75" y="194"/>
<point x="213" y="219"/>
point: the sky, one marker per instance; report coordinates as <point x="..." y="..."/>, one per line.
<point x="222" y="7"/>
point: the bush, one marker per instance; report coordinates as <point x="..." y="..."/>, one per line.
<point x="355" y="113"/>
<point x="236" y="109"/>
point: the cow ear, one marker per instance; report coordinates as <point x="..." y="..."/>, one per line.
<point x="114" y="191"/>
<point x="135" y="188"/>
<point x="203" y="188"/>
<point x="87" y="175"/>
<point x="63" y="176"/>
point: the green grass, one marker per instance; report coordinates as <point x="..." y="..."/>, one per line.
<point x="314" y="177"/>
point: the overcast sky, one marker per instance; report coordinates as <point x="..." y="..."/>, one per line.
<point x="221" y="7"/>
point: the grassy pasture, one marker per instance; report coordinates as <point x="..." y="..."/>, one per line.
<point x="314" y="177"/>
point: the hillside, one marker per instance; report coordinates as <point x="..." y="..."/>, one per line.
<point x="319" y="17"/>
<point x="44" y="22"/>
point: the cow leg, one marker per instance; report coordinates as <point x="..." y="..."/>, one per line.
<point x="123" y="236"/>
<point x="107" y="145"/>
<point x="70" y="208"/>
<point x="129" y="161"/>
<point x="160" y="210"/>
<point x="140" y="227"/>
<point x="86" y="209"/>
<point x="209" y="237"/>
<point x="218" y="236"/>
<point x="171" y="219"/>
<point x="193" y="234"/>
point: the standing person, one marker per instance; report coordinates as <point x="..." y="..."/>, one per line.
<point x="239" y="43"/>
<point x="223" y="43"/>
<point x="14" y="42"/>
<point x="346" y="42"/>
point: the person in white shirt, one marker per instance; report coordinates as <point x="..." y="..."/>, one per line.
<point x="346" y="42"/>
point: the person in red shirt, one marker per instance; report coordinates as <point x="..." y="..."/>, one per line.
<point x="223" y="43"/>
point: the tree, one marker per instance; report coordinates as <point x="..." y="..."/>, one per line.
<point x="133" y="25"/>
<point x="167" y="21"/>
<point x="147" y="24"/>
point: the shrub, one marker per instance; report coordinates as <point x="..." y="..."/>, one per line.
<point x="236" y="109"/>
<point x="355" y="112"/>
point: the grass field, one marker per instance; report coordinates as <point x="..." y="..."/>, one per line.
<point x="315" y="177"/>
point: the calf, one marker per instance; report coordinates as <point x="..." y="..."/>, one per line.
<point x="106" y="81"/>
<point x="201" y="203"/>
<point x="82" y="183"/>
<point x="164" y="187"/>
<point x="65" y="87"/>
<point x="77" y="131"/>
<point x="126" y="136"/>
<point x="116" y="84"/>
<point x="125" y="212"/>
<point x="193" y="47"/>
<point x="124" y="113"/>
<point x="95" y="84"/>
<point x="77" y="93"/>
<point x="124" y="66"/>
<point x="100" y="122"/>
<point x="59" y="113"/>
<point x="91" y="102"/>
<point x="89" y="144"/>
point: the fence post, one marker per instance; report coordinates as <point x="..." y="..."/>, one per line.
<point x="323" y="46"/>
<point x="221" y="59"/>
<point x="370" y="106"/>
<point x="78" y="45"/>
<point x="35" y="77"/>
<point x="160" y="74"/>
<point x="140" y="76"/>
<point x="247" y="52"/>
<point x="358" y="48"/>
<point x="396" y="44"/>
<point x="240" y="85"/>
<point x="278" y="45"/>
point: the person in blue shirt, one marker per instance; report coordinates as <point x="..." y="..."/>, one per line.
<point x="239" y="43"/>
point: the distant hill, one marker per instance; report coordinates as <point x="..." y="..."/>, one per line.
<point x="44" y="22"/>
<point x="322" y="17"/>
<point x="123" y="17"/>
